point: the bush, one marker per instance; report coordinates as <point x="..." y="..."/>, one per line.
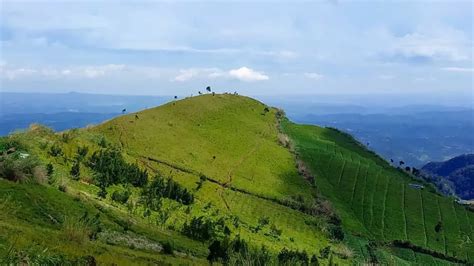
<point x="62" y="188"/>
<point x="291" y="257"/>
<point x="82" y="152"/>
<point x="9" y="143"/>
<point x="336" y="232"/>
<point x="345" y="252"/>
<point x="49" y="169"/>
<point x="203" y="229"/>
<point x="81" y="230"/>
<point x="218" y="250"/>
<point x="121" y="196"/>
<point x="18" y="169"/>
<point x="324" y="252"/>
<point x="75" y="170"/>
<point x="168" y="248"/>
<point x="55" y="151"/>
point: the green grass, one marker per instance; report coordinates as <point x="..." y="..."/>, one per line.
<point x="35" y="218"/>
<point x="228" y="139"/>
<point x="227" y="151"/>
<point x="383" y="206"/>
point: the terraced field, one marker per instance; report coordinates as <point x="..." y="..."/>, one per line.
<point x="375" y="199"/>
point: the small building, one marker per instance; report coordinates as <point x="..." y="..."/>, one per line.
<point x="416" y="186"/>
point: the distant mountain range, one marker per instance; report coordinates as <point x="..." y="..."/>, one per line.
<point x="457" y="173"/>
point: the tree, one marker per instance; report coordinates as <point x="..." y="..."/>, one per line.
<point x="324" y="252"/>
<point x="314" y="261"/>
<point x="55" y="151"/>
<point x="218" y="250"/>
<point x="208" y="88"/>
<point x="75" y="170"/>
<point x="439" y="227"/>
<point x="82" y="152"/>
<point x="49" y="169"/>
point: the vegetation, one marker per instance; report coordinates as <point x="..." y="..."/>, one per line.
<point x="222" y="184"/>
<point x="376" y="200"/>
<point x="111" y="168"/>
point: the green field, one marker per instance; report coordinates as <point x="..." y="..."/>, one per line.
<point x="244" y="176"/>
<point x="378" y="202"/>
<point x="228" y="143"/>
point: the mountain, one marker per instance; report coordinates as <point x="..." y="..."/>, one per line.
<point x="458" y="172"/>
<point x="216" y="177"/>
<point x="413" y="135"/>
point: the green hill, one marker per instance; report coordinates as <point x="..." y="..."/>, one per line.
<point x="380" y="202"/>
<point x="213" y="175"/>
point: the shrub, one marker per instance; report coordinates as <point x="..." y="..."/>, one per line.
<point x="336" y="232"/>
<point x="75" y="170"/>
<point x="55" y="151"/>
<point x="218" y="250"/>
<point x="62" y="188"/>
<point x="81" y="230"/>
<point x="324" y="252"/>
<point x="49" y="169"/>
<point x="40" y="175"/>
<point x="168" y="248"/>
<point x="345" y="252"/>
<point x="121" y="196"/>
<point x="82" y="152"/>
<point x="203" y="229"/>
<point x="291" y="257"/>
<point x="15" y="168"/>
<point x="9" y="143"/>
<point x="274" y="231"/>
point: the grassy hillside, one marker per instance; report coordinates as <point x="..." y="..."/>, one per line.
<point x="376" y="200"/>
<point x="223" y="149"/>
<point x="212" y="177"/>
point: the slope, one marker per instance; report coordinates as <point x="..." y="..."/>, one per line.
<point x="222" y="152"/>
<point x="378" y="201"/>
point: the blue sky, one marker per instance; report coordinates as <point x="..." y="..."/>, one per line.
<point x="264" y="48"/>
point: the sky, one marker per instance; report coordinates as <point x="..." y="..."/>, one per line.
<point x="255" y="48"/>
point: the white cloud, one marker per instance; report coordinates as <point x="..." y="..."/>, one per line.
<point x="313" y="75"/>
<point x="89" y="72"/>
<point x="100" y="71"/>
<point x="459" y="69"/>
<point x="247" y="74"/>
<point x="243" y="74"/>
<point x="197" y="73"/>
<point x="16" y="73"/>
<point x="434" y="43"/>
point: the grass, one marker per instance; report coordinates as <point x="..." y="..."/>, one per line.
<point x="227" y="151"/>
<point x="382" y="201"/>
<point x="229" y="140"/>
